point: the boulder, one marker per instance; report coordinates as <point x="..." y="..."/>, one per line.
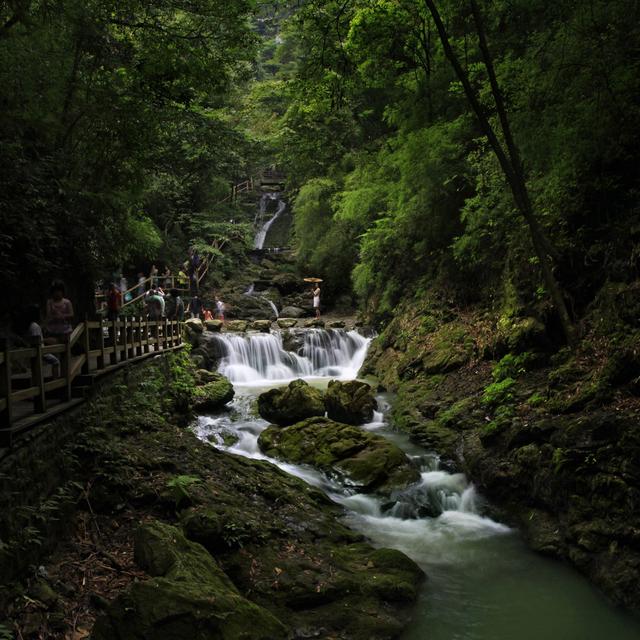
<point x="287" y="323"/>
<point x="314" y="322"/>
<point x="368" y="461"/>
<point x="292" y="312"/>
<point x="295" y="402"/>
<point x="194" y="325"/>
<point x="350" y="402"/>
<point x="237" y="325"/>
<point x="240" y="305"/>
<point x="336" y="324"/>
<point x="203" y="376"/>
<point x="293" y="341"/>
<point x="516" y="335"/>
<point x="288" y="283"/>
<point x="199" y="360"/>
<point x="189" y="596"/>
<point x="212" y="345"/>
<point x="215" y="326"/>
<point x="261" y="325"/>
<point x="213" y="394"/>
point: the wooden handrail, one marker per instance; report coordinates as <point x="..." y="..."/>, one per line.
<point x="130" y="339"/>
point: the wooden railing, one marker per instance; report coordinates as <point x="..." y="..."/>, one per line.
<point x="175" y="282"/>
<point x="28" y="397"/>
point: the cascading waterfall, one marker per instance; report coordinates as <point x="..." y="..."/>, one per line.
<point x="260" y="358"/>
<point x="261" y="235"/>
<point x="482" y="582"/>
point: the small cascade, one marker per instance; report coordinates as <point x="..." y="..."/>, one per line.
<point x="261" y="235"/>
<point x="259" y="358"/>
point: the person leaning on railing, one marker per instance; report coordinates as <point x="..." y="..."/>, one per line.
<point x="58" y="325"/>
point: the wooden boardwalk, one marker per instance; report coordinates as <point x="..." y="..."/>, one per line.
<point x="29" y="392"/>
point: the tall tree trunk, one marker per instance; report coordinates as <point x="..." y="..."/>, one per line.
<point x="509" y="160"/>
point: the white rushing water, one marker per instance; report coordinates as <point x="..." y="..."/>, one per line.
<point x="281" y="205"/>
<point x="483" y="584"/>
<point x="259" y="359"/>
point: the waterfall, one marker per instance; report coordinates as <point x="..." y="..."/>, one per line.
<point x="259" y="358"/>
<point x="261" y="236"/>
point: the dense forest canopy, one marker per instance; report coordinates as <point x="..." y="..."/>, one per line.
<point x="124" y="123"/>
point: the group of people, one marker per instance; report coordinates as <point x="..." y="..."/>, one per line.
<point x="58" y="323"/>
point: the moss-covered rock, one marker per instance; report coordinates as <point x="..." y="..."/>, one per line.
<point x="288" y="405"/>
<point x="237" y="325"/>
<point x="213" y="394"/>
<point x="516" y="335"/>
<point x="215" y="326"/>
<point x="368" y="461"/>
<point x="189" y="597"/>
<point x="287" y="323"/>
<point x="350" y="402"/>
<point x="264" y="326"/>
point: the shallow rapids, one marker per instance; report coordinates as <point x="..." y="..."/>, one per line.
<point x="483" y="583"/>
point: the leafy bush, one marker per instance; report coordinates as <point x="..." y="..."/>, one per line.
<point x="498" y="393"/>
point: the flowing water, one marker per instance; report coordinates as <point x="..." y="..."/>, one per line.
<point x="281" y="205"/>
<point x="483" y="583"/>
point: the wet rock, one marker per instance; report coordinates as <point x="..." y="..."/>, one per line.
<point x="288" y="283"/>
<point x="188" y="597"/>
<point x="367" y="461"/>
<point x="194" y="326"/>
<point x="291" y="404"/>
<point x="248" y="307"/>
<point x="263" y="326"/>
<point x="237" y="325"/>
<point x="336" y="324"/>
<point x="314" y="322"/>
<point x="287" y="323"/>
<point x="350" y="402"/>
<point x="293" y="341"/>
<point x="292" y="312"/>
<point x="215" y="326"/>
<point x="213" y="395"/>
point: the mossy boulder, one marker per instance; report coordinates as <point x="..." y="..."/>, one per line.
<point x="287" y="323"/>
<point x="350" y="402"/>
<point x="288" y="405"/>
<point x="263" y="326"/>
<point x="188" y="597"/>
<point x="194" y="325"/>
<point x="366" y="460"/>
<point x="215" y="326"/>
<point x="315" y="322"/>
<point x="448" y="349"/>
<point x="214" y="394"/>
<point x="516" y="335"/>
<point x="237" y="325"/>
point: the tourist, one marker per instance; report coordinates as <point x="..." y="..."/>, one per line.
<point x="316" y="300"/>
<point x="207" y="315"/>
<point x="33" y="333"/>
<point x="153" y="275"/>
<point x="114" y="302"/>
<point x="195" y="307"/>
<point x="167" y="278"/>
<point x="155" y="304"/>
<point x="59" y="314"/>
<point x="174" y="307"/>
<point x="219" y="309"/>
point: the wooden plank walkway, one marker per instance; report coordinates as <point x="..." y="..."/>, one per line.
<point x="29" y="394"/>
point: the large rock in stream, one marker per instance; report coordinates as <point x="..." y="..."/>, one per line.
<point x="350" y="402"/>
<point x="189" y="596"/>
<point x="364" y="460"/>
<point x="213" y="394"/>
<point x="291" y="404"/>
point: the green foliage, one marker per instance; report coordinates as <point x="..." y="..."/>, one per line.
<point x="498" y="393"/>
<point x="179" y="489"/>
<point x="511" y="366"/>
<point x="6" y="633"/>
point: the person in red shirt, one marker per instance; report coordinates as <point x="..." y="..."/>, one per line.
<point x="114" y="302"/>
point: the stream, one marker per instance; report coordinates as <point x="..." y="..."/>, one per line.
<point x="482" y="581"/>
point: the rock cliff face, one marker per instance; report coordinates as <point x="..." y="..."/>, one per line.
<point x="551" y="437"/>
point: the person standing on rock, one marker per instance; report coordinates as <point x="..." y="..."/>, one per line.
<point x="316" y="300"/>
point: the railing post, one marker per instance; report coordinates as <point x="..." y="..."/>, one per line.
<point x="37" y="379"/>
<point x="125" y="338"/>
<point x="114" y="341"/>
<point x="6" y="416"/>
<point x="102" y="358"/>
<point x="86" y="368"/>
<point x="165" y="335"/>
<point x="67" y="369"/>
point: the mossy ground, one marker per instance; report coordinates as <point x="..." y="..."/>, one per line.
<point x="549" y="434"/>
<point x="279" y="541"/>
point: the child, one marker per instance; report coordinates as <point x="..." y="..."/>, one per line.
<point x="34" y="335"/>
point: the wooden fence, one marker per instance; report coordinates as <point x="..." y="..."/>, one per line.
<point x="30" y="390"/>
